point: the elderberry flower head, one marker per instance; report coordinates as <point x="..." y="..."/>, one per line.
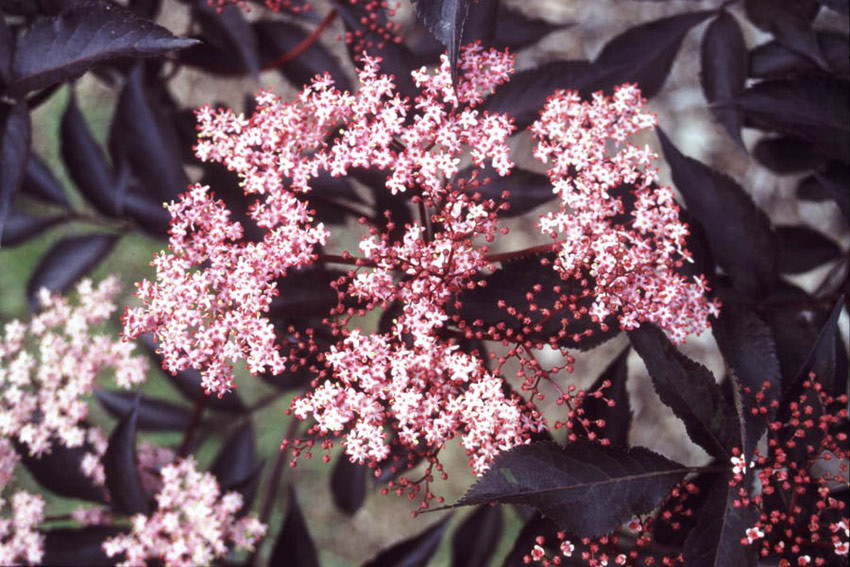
<point x="595" y="171"/>
<point x="50" y="363"/>
<point x="194" y="524"/>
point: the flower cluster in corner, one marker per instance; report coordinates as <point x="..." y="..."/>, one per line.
<point x="50" y="363"/>
<point x="194" y="524"/>
<point x="47" y="368"/>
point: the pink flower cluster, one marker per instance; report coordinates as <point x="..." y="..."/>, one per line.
<point x="631" y="263"/>
<point x="194" y="524"/>
<point x="20" y="539"/>
<point x="211" y="287"/>
<point x="47" y="368"/>
<point x="206" y="306"/>
<point x="48" y="365"/>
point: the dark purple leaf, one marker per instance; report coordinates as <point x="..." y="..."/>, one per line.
<point x="413" y="552"/>
<point x="481" y="21"/>
<point x="738" y="232"/>
<point x="812" y="108"/>
<point x="7" y="44"/>
<point x="527" y="189"/>
<point x="67" y="260"/>
<point x="87" y="165"/>
<point x="145" y="8"/>
<point x="830" y="182"/>
<point x="294" y="546"/>
<point x="59" y="472"/>
<point x="237" y="459"/>
<point x="538" y="525"/>
<point x="20" y="227"/>
<point x="802" y="249"/>
<point x="618" y="418"/>
<point x="305" y="293"/>
<point x="747" y="345"/>
<point x="511" y="283"/>
<point x="715" y="540"/>
<point x="786" y="155"/>
<point x="151" y="215"/>
<point x="525" y="94"/>
<point x="78" y="546"/>
<point x="586" y="488"/>
<point x="15" y="134"/>
<point x="822" y="357"/>
<point x="212" y="59"/>
<point x="145" y="138"/>
<point x="445" y="19"/>
<point x="790" y="23"/>
<point x="723" y="69"/>
<point x="477" y="537"/>
<point x="842" y="6"/>
<point x="348" y="485"/>
<point x="153" y="414"/>
<point x="793" y="330"/>
<point x="278" y="37"/>
<point x="41" y="184"/>
<point x="236" y="466"/>
<point x="225" y="28"/>
<point x="691" y="392"/>
<point x="671" y="526"/>
<point x="644" y="54"/>
<point x="516" y="30"/>
<point x="26" y="8"/>
<point x="63" y="47"/>
<point x="119" y="462"/>
<point x="189" y="383"/>
<point x="772" y="60"/>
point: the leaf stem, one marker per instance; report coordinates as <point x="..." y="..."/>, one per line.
<point x="305" y="43"/>
<point x="274" y="480"/>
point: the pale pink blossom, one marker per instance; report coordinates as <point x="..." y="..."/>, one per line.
<point x="20" y="539"/>
<point x="49" y="366"/>
<point x="630" y="263"/>
<point x="193" y="524"/>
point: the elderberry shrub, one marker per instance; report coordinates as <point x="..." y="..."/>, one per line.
<point x="351" y="255"/>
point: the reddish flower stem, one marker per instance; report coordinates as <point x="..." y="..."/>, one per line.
<point x="197" y="413"/>
<point x="305" y="43"/>
<point x="274" y="480"/>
